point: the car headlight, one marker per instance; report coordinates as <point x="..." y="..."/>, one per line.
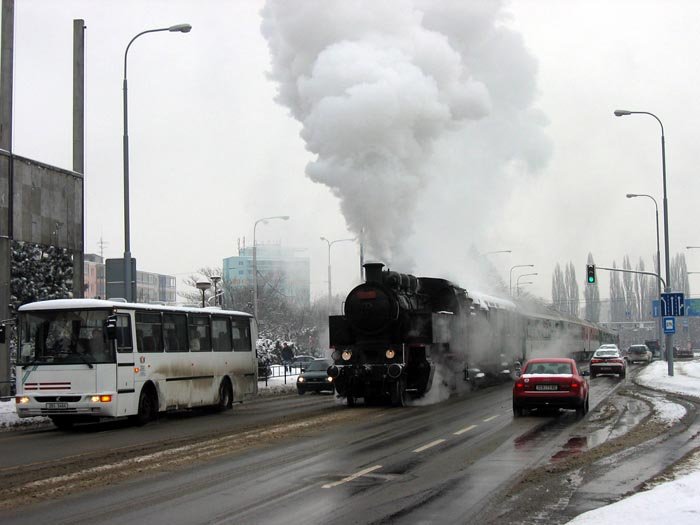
<point x="329" y="379"/>
<point x="300" y="379"/>
<point x="347" y="355"/>
<point x="390" y="354"/>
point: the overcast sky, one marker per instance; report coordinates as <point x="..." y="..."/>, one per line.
<point x="488" y="125"/>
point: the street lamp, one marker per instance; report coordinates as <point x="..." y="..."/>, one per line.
<point x="669" y="337"/>
<point x="510" y="282"/>
<point x="658" y="256"/>
<point x="692" y="247"/>
<point x="180" y="28"/>
<point x="331" y="243"/>
<point x="497" y="251"/>
<point x="517" y="281"/>
<point x="203" y="286"/>
<point x="255" y="259"/>
<point x="215" y="279"/>
<point x="517" y="287"/>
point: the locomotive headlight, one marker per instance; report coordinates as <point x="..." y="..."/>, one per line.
<point x="329" y="379"/>
<point x="390" y="354"/>
<point x="300" y="379"/>
<point x="347" y="355"/>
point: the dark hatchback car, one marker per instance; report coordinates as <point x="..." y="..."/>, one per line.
<point x="314" y="377"/>
<point x="682" y="352"/>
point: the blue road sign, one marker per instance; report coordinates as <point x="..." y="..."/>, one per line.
<point x="655" y="308"/>
<point x="669" y="325"/>
<point x="692" y="307"/>
<point x="672" y="304"/>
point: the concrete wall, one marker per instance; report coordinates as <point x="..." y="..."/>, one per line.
<point x="46" y="207"/>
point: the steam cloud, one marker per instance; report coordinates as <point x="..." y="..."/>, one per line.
<point x="388" y="91"/>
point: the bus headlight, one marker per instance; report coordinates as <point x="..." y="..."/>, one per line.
<point x="347" y="355"/>
<point x="23" y="400"/>
<point x="101" y="399"/>
<point x="390" y="354"/>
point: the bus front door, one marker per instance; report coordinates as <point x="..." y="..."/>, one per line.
<point x="126" y="367"/>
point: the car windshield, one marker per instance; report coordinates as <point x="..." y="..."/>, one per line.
<point x="317" y="366"/>
<point x="64" y="337"/>
<point x="548" y="368"/>
<point x="606" y="353"/>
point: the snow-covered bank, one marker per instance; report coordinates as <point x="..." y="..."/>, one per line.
<point x="676" y="501"/>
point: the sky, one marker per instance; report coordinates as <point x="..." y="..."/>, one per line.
<point x="437" y="128"/>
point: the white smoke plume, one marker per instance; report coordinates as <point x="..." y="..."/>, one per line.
<point x="403" y="101"/>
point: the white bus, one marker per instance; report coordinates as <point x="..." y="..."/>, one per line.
<point x="82" y="359"/>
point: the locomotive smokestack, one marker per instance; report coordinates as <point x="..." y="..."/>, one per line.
<point x="373" y="272"/>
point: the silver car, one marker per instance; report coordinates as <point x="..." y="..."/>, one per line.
<point x="639" y="353"/>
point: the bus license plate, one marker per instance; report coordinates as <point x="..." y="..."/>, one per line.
<point x="56" y="405"/>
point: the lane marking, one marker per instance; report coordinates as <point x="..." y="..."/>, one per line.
<point x="490" y="418"/>
<point x="466" y="429"/>
<point x="351" y="477"/>
<point x="429" y="445"/>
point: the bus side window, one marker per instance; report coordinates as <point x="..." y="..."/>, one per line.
<point x="124" y="343"/>
<point x="221" y="334"/>
<point x="241" y="335"/>
<point x="149" y="331"/>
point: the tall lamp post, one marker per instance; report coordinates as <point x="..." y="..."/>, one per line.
<point x="203" y="286"/>
<point x="510" y="281"/>
<point x="331" y="243"/>
<point x="255" y="259"/>
<point x="180" y="28"/>
<point x="215" y="280"/>
<point x="658" y="257"/>
<point x="669" y="337"/>
<point x="517" y="281"/>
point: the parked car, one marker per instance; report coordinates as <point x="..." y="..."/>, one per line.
<point x="550" y="383"/>
<point x="682" y="352"/>
<point x="300" y="361"/>
<point x="607" y="360"/>
<point x="655" y="347"/>
<point x="314" y="378"/>
<point x="639" y="353"/>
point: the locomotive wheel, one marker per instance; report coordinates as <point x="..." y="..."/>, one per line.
<point x="398" y="394"/>
<point x="351" y="401"/>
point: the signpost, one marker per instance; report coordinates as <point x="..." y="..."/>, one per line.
<point x="669" y="325"/>
<point x="673" y="304"/>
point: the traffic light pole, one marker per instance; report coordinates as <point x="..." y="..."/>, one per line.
<point x="633" y="271"/>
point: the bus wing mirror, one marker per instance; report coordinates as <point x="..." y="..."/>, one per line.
<point x="111" y="327"/>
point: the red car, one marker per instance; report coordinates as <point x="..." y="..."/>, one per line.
<point x="553" y="382"/>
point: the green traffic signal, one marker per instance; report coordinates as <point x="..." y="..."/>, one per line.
<point x="590" y="272"/>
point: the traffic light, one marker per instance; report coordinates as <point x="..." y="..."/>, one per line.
<point x="590" y="273"/>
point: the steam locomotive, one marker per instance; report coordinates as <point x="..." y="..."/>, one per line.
<point x="401" y="336"/>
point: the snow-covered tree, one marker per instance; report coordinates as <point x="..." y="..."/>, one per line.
<point x="38" y="273"/>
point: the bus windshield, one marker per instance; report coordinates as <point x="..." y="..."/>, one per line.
<point x="64" y="337"/>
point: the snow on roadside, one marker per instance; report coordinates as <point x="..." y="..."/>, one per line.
<point x="686" y="378"/>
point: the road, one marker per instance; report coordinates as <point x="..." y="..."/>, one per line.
<point x="290" y="460"/>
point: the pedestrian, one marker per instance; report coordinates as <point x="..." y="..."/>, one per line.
<point x="287" y="357"/>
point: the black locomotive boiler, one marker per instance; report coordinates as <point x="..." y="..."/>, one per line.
<point x="395" y="331"/>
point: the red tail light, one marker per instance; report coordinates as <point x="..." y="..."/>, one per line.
<point x="596" y="361"/>
<point x="575" y="385"/>
<point x="519" y="385"/>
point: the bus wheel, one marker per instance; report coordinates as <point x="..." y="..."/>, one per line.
<point x="63" y="422"/>
<point x="148" y="407"/>
<point x="225" y="396"/>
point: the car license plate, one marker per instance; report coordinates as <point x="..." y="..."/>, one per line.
<point x="546" y="387"/>
<point x="56" y="405"/>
